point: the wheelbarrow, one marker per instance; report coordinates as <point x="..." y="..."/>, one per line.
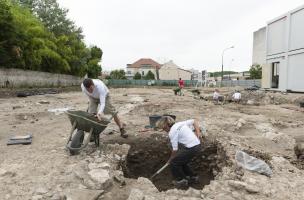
<point x="84" y="122"/>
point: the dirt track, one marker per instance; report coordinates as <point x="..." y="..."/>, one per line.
<point x="43" y="168"/>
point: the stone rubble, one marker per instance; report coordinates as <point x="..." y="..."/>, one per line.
<point x="95" y="173"/>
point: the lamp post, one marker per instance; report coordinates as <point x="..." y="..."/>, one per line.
<point x="223" y="61"/>
<point x="230" y="68"/>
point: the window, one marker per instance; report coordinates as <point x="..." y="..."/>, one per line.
<point x="275" y="75"/>
<point x="276" y="69"/>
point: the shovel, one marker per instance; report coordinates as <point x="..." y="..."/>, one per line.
<point x="160" y="170"/>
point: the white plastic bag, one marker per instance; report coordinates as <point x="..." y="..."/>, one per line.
<point x="252" y="164"/>
<point x="202" y="127"/>
<point x="59" y="111"/>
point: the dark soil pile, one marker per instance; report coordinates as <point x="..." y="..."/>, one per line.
<point x="147" y="155"/>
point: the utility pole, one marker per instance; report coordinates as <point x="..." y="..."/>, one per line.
<point x="223" y="62"/>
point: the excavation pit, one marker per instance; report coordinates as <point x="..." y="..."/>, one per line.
<point x="147" y="155"/>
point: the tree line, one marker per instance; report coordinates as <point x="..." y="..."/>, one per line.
<point x="255" y="72"/>
<point x="37" y="35"/>
<point x="121" y="74"/>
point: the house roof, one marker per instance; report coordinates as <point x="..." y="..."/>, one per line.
<point x="185" y="70"/>
<point x="144" y="61"/>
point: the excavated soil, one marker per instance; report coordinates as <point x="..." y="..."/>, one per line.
<point x="44" y="168"/>
<point x="149" y="154"/>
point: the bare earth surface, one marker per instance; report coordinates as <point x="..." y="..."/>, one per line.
<point x="269" y="129"/>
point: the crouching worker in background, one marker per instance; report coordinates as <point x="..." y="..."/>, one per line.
<point x="182" y="134"/>
<point x="236" y="97"/>
<point x="98" y="94"/>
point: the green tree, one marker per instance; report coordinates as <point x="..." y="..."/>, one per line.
<point x="108" y="77"/>
<point x="79" y="57"/>
<point x="94" y="68"/>
<point x="118" y="74"/>
<point x="7" y="34"/>
<point x="255" y="72"/>
<point x="37" y="35"/>
<point x="96" y="52"/>
<point x="68" y="35"/>
<point x="150" y="76"/>
<point x="137" y="76"/>
<point x="53" y="17"/>
<point x="30" y="4"/>
<point x="39" y="51"/>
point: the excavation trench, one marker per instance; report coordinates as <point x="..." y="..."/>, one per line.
<point x="147" y="155"/>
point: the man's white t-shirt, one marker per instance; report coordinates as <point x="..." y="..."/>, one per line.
<point x="100" y="92"/>
<point x="216" y="95"/>
<point x="237" y="96"/>
<point x="181" y="132"/>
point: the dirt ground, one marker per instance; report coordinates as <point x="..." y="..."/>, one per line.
<point x="268" y="129"/>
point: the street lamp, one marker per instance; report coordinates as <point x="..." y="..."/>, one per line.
<point x="223" y="60"/>
<point x="230" y="68"/>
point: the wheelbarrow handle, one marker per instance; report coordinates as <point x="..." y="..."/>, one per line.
<point x="108" y="119"/>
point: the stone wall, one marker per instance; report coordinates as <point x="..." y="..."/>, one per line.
<point x="14" y="78"/>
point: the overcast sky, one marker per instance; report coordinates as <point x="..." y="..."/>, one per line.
<point x="192" y="33"/>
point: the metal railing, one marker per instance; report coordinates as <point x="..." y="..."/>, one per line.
<point x="241" y="83"/>
<point x="188" y="83"/>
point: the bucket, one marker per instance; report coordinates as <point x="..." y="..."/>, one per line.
<point x="153" y="119"/>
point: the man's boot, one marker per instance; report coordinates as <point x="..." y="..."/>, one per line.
<point x="193" y="179"/>
<point x="181" y="184"/>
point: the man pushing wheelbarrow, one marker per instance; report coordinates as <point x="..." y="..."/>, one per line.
<point x="99" y="94"/>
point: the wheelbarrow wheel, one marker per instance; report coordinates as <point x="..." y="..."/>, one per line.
<point x="76" y="141"/>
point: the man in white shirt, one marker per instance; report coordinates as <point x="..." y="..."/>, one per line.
<point x="181" y="133"/>
<point x="236" y="97"/>
<point x="217" y="97"/>
<point x="98" y="94"/>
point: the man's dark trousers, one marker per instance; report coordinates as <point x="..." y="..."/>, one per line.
<point x="179" y="164"/>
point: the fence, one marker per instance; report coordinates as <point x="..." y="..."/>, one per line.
<point x="188" y="83"/>
<point x="241" y="83"/>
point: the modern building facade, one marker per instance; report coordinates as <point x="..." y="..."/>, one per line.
<point x="259" y="47"/>
<point x="284" y="68"/>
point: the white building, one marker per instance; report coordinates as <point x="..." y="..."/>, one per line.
<point x="284" y="68"/>
<point x="259" y="47"/>
<point x="142" y="66"/>
<point x="199" y="76"/>
<point x="170" y="71"/>
<point x="196" y="74"/>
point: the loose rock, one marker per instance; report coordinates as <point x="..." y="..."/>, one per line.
<point x="101" y="176"/>
<point x="136" y="195"/>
